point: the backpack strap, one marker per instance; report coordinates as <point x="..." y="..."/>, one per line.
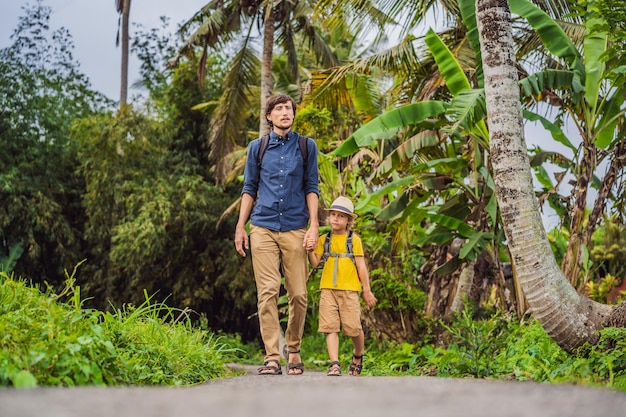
<point x="262" y="147"/>
<point x="327" y="254"/>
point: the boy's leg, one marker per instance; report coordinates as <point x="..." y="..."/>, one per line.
<point x="332" y="345"/>
<point x="356" y="366"/>
<point x="330" y="324"/>
<point x="265" y="261"/>
<point x="359" y="345"/>
<point x="350" y="312"/>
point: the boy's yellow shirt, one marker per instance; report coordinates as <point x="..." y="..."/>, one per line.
<point x="347" y="276"/>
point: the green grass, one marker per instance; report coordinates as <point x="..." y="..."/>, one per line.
<point x="48" y="339"/>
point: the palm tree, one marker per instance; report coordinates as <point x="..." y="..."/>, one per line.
<point x="218" y="24"/>
<point x="569" y="318"/>
<point x="123" y="8"/>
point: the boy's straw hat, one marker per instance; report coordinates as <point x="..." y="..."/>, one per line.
<point x="344" y="205"/>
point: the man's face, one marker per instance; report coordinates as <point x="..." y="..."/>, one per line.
<point x="282" y="116"/>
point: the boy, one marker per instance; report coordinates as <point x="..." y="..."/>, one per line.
<point x="343" y="277"/>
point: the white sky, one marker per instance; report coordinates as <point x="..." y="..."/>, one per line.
<point x="93" y="26"/>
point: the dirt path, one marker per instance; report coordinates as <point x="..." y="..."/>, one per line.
<point x="315" y="394"/>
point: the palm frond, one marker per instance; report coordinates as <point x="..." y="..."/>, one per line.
<point x="227" y="121"/>
<point x="215" y="24"/>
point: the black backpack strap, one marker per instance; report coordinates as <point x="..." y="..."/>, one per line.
<point x="303" y="141"/>
<point x="326" y="252"/>
<point x="262" y="147"/>
<point x="349" y="246"/>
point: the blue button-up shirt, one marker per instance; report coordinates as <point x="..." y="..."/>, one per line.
<point x="279" y="191"/>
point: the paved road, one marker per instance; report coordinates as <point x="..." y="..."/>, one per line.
<point x="315" y="394"/>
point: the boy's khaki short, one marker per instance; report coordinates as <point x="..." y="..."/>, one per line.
<point x="340" y="310"/>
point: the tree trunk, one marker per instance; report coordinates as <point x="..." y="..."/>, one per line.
<point x="462" y="293"/>
<point x="266" y="67"/>
<point x="440" y="286"/>
<point x="466" y="279"/>
<point x="571" y="265"/>
<point x="569" y="318"/>
<point x="125" y="42"/>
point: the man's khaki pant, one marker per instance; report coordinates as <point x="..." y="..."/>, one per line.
<point x="269" y="249"/>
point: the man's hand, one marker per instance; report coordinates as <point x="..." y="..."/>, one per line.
<point x="241" y="240"/>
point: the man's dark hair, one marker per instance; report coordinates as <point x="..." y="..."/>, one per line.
<point x="278" y="99"/>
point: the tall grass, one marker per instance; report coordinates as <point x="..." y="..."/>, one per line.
<point x="48" y="339"/>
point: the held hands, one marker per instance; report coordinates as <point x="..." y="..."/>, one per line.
<point x="310" y="240"/>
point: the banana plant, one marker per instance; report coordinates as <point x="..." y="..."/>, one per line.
<point x="445" y="143"/>
<point x="593" y="98"/>
<point x="583" y="89"/>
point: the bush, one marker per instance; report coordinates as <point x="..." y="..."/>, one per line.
<point x="45" y="341"/>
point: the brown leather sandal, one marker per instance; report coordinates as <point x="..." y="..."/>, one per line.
<point x="268" y="369"/>
<point x="334" y="369"/>
<point x="297" y="366"/>
<point x="356" y="368"/>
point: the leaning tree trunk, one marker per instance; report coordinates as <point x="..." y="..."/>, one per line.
<point x="569" y="318"/>
<point x="266" y="67"/>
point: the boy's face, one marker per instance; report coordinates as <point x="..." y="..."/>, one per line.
<point x="282" y="115"/>
<point x="338" y="221"/>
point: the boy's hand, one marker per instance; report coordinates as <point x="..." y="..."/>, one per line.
<point x="369" y="298"/>
<point x="310" y="239"/>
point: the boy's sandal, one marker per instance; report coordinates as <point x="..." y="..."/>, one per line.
<point x="268" y="369"/>
<point x="334" y="369"/>
<point x="356" y="368"/>
<point x="297" y="367"/>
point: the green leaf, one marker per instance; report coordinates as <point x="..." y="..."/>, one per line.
<point x="24" y="379"/>
<point x="543" y="177"/>
<point x="389" y="123"/>
<point x="468" y="108"/>
<point x="448" y="65"/>
<point x="474" y="244"/>
<point x="555" y="131"/>
<point x="608" y="123"/>
<point x="594" y="45"/>
<point x="549" y="30"/>
<point x="449" y="267"/>
<point x="492" y="208"/>
<point x="453" y="224"/>
<point x="468" y="14"/>
<point x="550" y="79"/>
<point x="405" y="151"/>
<point x="440" y="237"/>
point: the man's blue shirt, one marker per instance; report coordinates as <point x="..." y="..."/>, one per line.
<point x="279" y="191"/>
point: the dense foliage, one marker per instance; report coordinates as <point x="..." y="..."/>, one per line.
<point x="132" y="193"/>
<point x="50" y="339"/>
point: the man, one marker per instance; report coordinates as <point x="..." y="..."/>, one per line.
<point x="281" y="198"/>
